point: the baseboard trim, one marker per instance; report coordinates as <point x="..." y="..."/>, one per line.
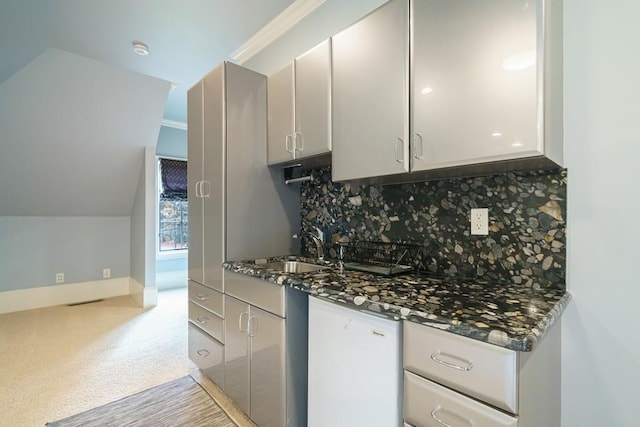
<point x="144" y="296"/>
<point x="71" y="293"/>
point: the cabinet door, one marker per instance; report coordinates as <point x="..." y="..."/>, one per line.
<point x="474" y="82"/>
<point x="268" y="402"/>
<point x="213" y="186"/>
<point x="194" y="178"/>
<point x="280" y="121"/>
<point x="313" y="101"/>
<point x="370" y="117"/>
<point x="236" y="364"/>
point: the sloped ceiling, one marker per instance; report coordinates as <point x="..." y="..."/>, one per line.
<point x="73" y="131"/>
<point x="77" y="106"/>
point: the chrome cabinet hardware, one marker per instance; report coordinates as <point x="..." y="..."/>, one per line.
<point x="434" y="415"/>
<point x="240" y="322"/>
<point x="435" y="358"/>
<point x="203" y="352"/>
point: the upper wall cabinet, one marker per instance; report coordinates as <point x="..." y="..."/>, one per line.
<point x="485" y="91"/>
<point x="299" y="96"/>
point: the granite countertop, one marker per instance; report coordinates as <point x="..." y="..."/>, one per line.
<point x="506" y="315"/>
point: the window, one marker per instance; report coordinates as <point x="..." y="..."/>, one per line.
<point x="173" y="218"/>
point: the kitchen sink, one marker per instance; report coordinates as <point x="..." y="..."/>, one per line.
<point x="293" y="266"/>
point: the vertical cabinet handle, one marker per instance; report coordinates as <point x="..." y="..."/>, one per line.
<point x="288" y="143"/>
<point x="253" y="326"/>
<point x="205" y="184"/>
<point x="417" y="146"/>
<point x="435" y="415"/>
<point x="436" y="358"/>
<point x="301" y="139"/>
<point x="198" y="191"/>
<point x="240" y="322"/>
<point x="399" y="141"/>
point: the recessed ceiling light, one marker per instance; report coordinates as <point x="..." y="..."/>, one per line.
<point x="140" y="48"/>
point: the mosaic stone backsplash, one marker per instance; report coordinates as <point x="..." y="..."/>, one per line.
<point x="526" y="244"/>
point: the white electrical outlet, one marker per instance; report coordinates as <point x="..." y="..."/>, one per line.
<point x="480" y="221"/>
<point x="106" y="273"/>
<point x="59" y="277"/>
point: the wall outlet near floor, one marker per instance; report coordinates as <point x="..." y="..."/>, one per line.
<point x="480" y="221"/>
<point x="59" y="277"/>
<point x="106" y="273"/>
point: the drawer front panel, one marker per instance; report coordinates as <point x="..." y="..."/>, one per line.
<point x="207" y="353"/>
<point x="478" y="369"/>
<point x="432" y="405"/>
<point x="207" y="321"/>
<point x="208" y="298"/>
<point x="257" y="292"/>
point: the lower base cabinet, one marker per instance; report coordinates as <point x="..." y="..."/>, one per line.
<point x="265" y="366"/>
<point x="255" y="362"/>
<point x="455" y="381"/>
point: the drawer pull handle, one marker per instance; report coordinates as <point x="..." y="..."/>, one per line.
<point x="435" y="358"/>
<point x="202" y="320"/>
<point x="434" y="415"/>
<point x="203" y="353"/>
<point x="202" y="297"/>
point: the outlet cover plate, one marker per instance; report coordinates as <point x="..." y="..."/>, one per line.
<point x="106" y="273"/>
<point x="59" y="277"/>
<point x="480" y="221"/>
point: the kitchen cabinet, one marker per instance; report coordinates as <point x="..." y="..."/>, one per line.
<point x="238" y="208"/>
<point x="265" y="350"/>
<point x="454" y="380"/>
<point x="206" y="330"/>
<point x="468" y="86"/>
<point x="299" y="106"/>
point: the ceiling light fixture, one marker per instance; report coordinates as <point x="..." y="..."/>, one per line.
<point x="140" y="48"/>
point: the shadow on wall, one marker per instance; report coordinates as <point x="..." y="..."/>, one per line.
<point x="526" y="244"/>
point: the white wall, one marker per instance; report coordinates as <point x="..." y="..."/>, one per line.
<point x="143" y="226"/>
<point x="601" y="347"/>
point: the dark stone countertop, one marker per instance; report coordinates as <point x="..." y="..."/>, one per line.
<point x="506" y="315"/>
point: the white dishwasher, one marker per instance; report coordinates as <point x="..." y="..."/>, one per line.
<point x="355" y="367"/>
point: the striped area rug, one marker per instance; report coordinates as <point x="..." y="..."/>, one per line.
<point x="181" y="402"/>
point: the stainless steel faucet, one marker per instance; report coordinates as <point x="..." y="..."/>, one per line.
<point x="318" y="239"/>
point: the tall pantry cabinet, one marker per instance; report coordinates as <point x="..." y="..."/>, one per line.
<point x="238" y="208"/>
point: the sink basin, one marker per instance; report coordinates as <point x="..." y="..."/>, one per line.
<point x="293" y="266"/>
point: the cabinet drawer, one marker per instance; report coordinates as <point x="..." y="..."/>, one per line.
<point x="206" y="297"/>
<point x="207" y="321"/>
<point x="207" y="353"/>
<point x="478" y="369"/>
<point x="260" y="293"/>
<point x="429" y="404"/>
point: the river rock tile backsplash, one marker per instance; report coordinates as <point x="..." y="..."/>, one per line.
<point x="526" y="244"/>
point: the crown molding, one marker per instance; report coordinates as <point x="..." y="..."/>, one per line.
<point x="279" y="25"/>
<point x="173" y="124"/>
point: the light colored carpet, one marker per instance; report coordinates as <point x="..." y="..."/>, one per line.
<point x="181" y="402"/>
<point x="56" y="362"/>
